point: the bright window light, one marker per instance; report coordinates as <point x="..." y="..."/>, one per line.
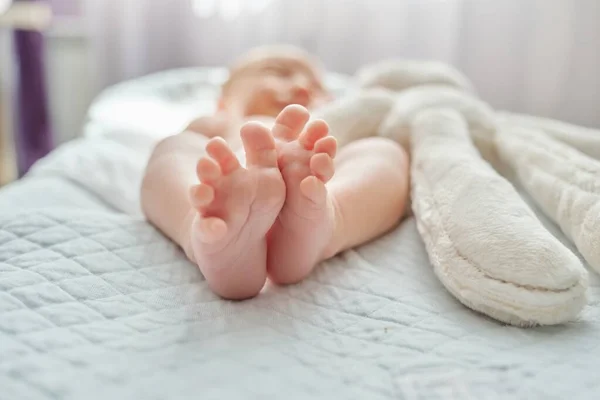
<point x="227" y="9"/>
<point x="4" y="5"/>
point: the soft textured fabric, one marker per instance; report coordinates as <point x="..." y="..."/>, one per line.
<point x="362" y="115"/>
<point x="122" y="168"/>
<point x="49" y="192"/>
<point x="583" y="139"/>
<point x="563" y="181"/>
<point x="97" y="305"/>
<point x="479" y="233"/>
<point x="487" y="247"/>
<point x="478" y="115"/>
<point x="399" y="75"/>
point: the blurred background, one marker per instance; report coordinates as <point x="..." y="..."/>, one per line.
<point x="540" y="57"/>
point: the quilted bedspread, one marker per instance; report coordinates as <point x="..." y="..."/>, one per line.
<point x="99" y="305"/>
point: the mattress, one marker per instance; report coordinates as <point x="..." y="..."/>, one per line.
<point x="97" y="304"/>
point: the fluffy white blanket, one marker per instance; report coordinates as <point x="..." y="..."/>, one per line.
<point x="486" y="245"/>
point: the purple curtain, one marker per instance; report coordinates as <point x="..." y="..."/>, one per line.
<point x="33" y="135"/>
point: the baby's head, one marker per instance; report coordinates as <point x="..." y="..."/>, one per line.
<point x="266" y="79"/>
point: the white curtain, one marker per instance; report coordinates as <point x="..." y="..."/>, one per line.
<point x="535" y="56"/>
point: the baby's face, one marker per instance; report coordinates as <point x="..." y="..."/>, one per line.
<point x="266" y="85"/>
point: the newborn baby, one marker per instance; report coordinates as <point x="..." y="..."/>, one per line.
<point x="257" y="190"/>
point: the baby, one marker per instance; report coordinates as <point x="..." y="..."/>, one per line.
<point x="257" y="190"/>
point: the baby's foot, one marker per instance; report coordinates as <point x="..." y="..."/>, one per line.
<point x="303" y="230"/>
<point x="235" y="207"/>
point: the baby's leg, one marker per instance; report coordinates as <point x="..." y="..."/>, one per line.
<point x="170" y="173"/>
<point x="371" y="189"/>
<point x="365" y="198"/>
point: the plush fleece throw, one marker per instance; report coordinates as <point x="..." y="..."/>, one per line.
<point x="485" y="244"/>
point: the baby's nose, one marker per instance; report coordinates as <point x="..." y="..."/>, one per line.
<point x="301" y="91"/>
<point x="301" y="95"/>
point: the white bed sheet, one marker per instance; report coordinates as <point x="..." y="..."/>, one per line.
<point x="95" y="304"/>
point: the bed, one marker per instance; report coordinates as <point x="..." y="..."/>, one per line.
<point x="96" y="304"/>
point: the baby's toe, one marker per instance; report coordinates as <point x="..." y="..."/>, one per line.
<point x="220" y="151"/>
<point x="208" y="170"/>
<point x="201" y="196"/>
<point x="321" y="165"/>
<point x="327" y="145"/>
<point x="259" y="145"/>
<point x="290" y="122"/>
<point x="315" y="130"/>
